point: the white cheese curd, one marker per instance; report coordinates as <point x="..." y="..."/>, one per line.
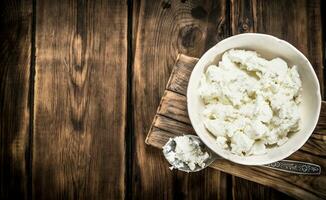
<point x="251" y="103"/>
<point x="187" y="152"/>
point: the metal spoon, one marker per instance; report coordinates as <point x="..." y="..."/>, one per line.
<point x="290" y="166"/>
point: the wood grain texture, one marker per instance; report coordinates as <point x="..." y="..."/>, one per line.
<point x="167" y="123"/>
<point x="15" y="57"/>
<point x="240" y="191"/>
<point x="173" y="106"/>
<point x="71" y="143"/>
<point x="80" y="100"/>
<point x="172" y="126"/>
<point x="297" y="22"/>
<point x="178" y="81"/>
<point x="189" y="27"/>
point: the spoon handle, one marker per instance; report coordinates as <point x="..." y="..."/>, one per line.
<point x="295" y="167"/>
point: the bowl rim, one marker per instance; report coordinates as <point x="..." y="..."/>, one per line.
<point x="245" y="161"/>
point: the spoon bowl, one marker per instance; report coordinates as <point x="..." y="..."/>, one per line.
<point x="170" y="146"/>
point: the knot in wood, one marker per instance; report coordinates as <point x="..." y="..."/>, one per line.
<point x="188" y="36"/>
<point x="245" y="25"/>
<point x="198" y="12"/>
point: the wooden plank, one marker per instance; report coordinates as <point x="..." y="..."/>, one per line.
<point x="215" y="185"/>
<point x="80" y="100"/>
<point x="297" y="22"/>
<point x="243" y="16"/>
<point x="158" y="137"/>
<point x="15" y="58"/>
<point x="181" y="74"/>
<point x="168" y="123"/>
<point x="282" y="181"/>
<point x="172" y="125"/>
<point x="174" y="106"/>
<point x="258" y="191"/>
<point x="189" y="27"/>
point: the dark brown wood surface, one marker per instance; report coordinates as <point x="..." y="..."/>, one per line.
<point x="80" y="82"/>
<point x="15" y="57"/>
<point x="80" y="100"/>
<point x="160" y="33"/>
<point x="172" y="120"/>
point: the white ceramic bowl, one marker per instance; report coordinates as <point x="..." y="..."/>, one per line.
<point x="268" y="47"/>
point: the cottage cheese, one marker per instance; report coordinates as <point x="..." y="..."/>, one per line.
<point x="185" y="152"/>
<point x="250" y="103"/>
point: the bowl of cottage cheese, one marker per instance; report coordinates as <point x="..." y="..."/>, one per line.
<point x="253" y="99"/>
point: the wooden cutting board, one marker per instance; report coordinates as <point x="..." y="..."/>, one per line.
<point x="172" y="120"/>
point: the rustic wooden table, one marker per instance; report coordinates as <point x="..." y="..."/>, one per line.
<point x="80" y="82"/>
